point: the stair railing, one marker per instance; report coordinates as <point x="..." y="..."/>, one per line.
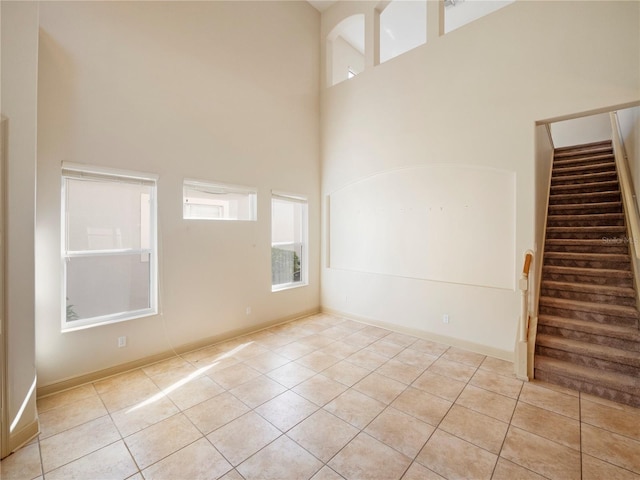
<point x="522" y="347"/>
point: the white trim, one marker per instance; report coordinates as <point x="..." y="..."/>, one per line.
<point x="25" y="402"/>
<point x="292" y="197"/>
<point x="80" y="170"/>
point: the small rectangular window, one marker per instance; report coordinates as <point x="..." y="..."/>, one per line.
<point x="109" y="239"/>
<point x="218" y="201"/>
<point x="289" y="259"/>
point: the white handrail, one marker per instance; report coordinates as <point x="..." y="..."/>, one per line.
<point x="626" y="184"/>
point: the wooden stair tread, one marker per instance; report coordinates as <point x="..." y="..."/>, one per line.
<point x="561" y="169"/>
<point x="577" y="186"/>
<point x="584" y="195"/>
<point x="583" y="242"/>
<point x="579" y="206"/>
<point x="622" y="332"/>
<point x="599" y="272"/>
<point x="592" y="307"/>
<point x="613" y="380"/>
<point x="590" y="176"/>
<point x="583" y="146"/>
<point x="612" y="257"/>
<point x="585" y="156"/>
<point x="610" y="290"/>
<point x="593" y="229"/>
<point x="593" y="350"/>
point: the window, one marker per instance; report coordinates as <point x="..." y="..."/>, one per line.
<point x="216" y="201"/>
<point x="288" y="241"/>
<point x="108" y="246"/>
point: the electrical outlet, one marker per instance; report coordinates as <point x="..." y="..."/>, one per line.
<point x="445" y="318"/>
<point x="122" y="342"/>
<point x="248" y="310"/>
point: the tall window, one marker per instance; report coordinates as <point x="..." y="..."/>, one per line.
<point x="108" y="246"/>
<point x="289" y="260"/>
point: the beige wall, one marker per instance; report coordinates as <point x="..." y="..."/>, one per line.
<point x="19" y="77"/>
<point x="472" y="97"/>
<point x="220" y="91"/>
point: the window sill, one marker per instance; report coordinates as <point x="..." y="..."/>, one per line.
<point x="107" y="320"/>
<point x="288" y="286"/>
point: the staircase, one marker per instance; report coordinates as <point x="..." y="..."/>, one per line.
<point x="588" y="319"/>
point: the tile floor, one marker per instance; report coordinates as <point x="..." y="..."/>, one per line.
<point x="328" y="398"/>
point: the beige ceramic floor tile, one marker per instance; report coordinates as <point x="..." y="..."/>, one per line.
<point x="23" y="464"/>
<point x="464" y="356"/>
<point x="257" y="391"/>
<point x="401" y="339"/>
<point x="416" y="358"/>
<point x="400" y="431"/>
<point x="451" y="369"/>
<point x="279" y="460"/>
<point x="506" y="470"/>
<point x="496" y="365"/>
<point x="374" y="331"/>
<point x="469" y="461"/>
<point x="136" y="392"/>
<point x="337" y="332"/>
<point x="318" y="361"/>
<point x="623" y="422"/>
<point x="489" y="403"/>
<point x="70" y="415"/>
<point x="121" y="381"/>
<point x="286" y="410"/>
<point x="382" y="388"/>
<point x="509" y="387"/>
<point x="323" y="434"/>
<point x="232" y="475"/>
<point x="476" y="428"/>
<point x="549" y="399"/>
<point x="367" y="359"/>
<point x="429" y="347"/>
<point x="385" y="348"/>
<point x="193" y="392"/>
<point x="595" y="469"/>
<point x="320" y="389"/>
<point x="248" y="350"/>
<point x="243" y="437"/>
<point x="547" y="424"/>
<point x="340" y="349"/>
<point x="112" y="461"/>
<point x="439" y="385"/>
<point x="267" y="361"/>
<point x="419" y="472"/>
<point x="216" y="412"/>
<point x="355" y="408"/>
<point x="234" y="376"/>
<point x="360" y="339"/>
<point x="132" y="420"/>
<point x="326" y="473"/>
<point x="65" y="398"/>
<point x="295" y="350"/>
<point x="197" y="461"/>
<point x="540" y="455"/>
<point x="365" y="458"/>
<point x="317" y="341"/>
<point x="346" y="373"/>
<point x="422" y="405"/>
<point x="556" y="388"/>
<point x="291" y="374"/>
<point x="161" y="440"/>
<point x="77" y="442"/>
<point x="611" y="447"/>
<point x="173" y="366"/>
<point x="399" y="371"/>
<point x="270" y="340"/>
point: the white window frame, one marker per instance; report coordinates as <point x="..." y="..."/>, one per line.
<point x="304" y="258"/>
<point x="76" y="171"/>
<point x="221" y="188"/>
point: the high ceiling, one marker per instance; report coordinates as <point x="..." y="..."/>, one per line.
<point x="321" y="5"/>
